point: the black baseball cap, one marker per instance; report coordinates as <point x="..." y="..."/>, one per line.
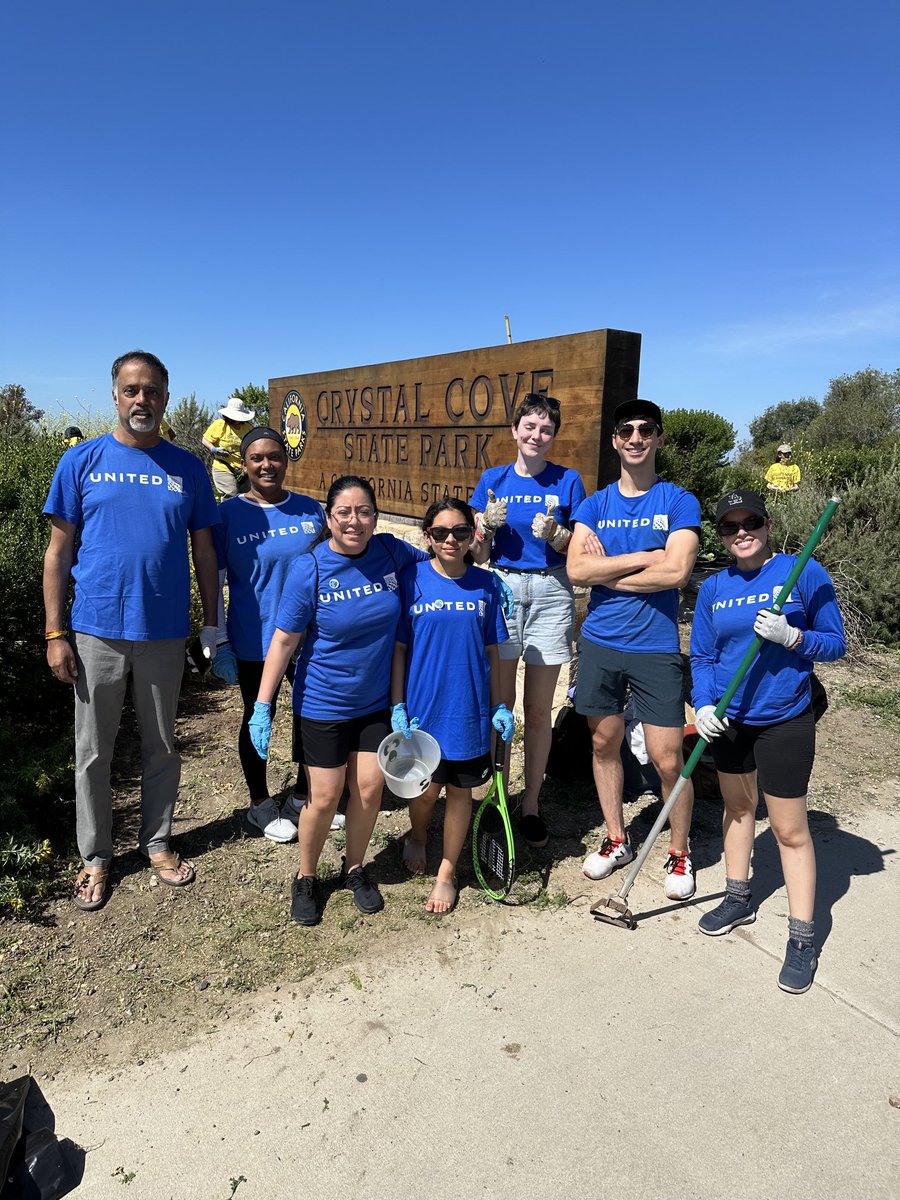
<point x="637" y="408"/>
<point x="741" y="498"/>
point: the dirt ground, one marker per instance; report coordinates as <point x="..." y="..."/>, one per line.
<point x="161" y="967"/>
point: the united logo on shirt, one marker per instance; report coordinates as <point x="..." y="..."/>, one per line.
<point x="308" y="526"/>
<point x="391" y="582"/>
<point x="176" y="483"/>
<point x="660" y="520"/>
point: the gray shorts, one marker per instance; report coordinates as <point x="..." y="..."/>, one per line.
<point x="658" y="684"/>
<point x="541" y="627"/>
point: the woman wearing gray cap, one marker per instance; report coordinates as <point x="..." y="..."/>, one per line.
<point x="768" y="733"/>
<point x="223" y="440"/>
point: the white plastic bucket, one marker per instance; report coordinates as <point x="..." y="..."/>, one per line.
<point x="408" y="763"/>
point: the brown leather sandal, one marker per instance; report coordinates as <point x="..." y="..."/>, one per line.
<point x="86" y="878"/>
<point x="171" y="860"/>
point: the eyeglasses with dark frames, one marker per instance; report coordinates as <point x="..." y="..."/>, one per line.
<point x="646" y="429"/>
<point x="749" y="525"/>
<point x="440" y="533"/>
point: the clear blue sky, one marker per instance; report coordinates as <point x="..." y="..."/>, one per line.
<point x="254" y="190"/>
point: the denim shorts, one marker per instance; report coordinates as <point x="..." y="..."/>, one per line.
<point x="541" y="627"/>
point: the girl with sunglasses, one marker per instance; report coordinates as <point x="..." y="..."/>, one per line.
<point x="524" y="511"/>
<point x="768" y="734"/>
<point x="446" y="672"/>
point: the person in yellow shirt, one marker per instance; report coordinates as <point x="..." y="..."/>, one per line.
<point x="223" y="440"/>
<point x="784" y="474"/>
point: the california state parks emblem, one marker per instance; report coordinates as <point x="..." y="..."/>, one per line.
<point x="294" y="424"/>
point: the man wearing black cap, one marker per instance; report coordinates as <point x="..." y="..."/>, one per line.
<point x="649" y="534"/>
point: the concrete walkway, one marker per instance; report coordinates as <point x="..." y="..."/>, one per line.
<point x="521" y="1053"/>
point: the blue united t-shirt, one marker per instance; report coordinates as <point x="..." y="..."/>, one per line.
<point x="776" y="687"/>
<point x="646" y="622"/>
<point x="133" y="510"/>
<point x="257" y="544"/>
<point x="350" y="607"/>
<point x="514" y="544"/>
<point x="446" y="625"/>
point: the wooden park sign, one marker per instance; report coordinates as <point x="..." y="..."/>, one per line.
<point x="426" y="428"/>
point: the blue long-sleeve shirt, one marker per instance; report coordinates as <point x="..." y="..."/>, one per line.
<point x="776" y="687"/>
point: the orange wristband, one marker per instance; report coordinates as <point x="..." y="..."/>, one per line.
<point x="55" y="633"/>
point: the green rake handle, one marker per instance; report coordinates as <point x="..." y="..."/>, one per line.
<point x="743" y="667"/>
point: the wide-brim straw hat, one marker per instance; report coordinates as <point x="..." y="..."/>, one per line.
<point x="236" y="410"/>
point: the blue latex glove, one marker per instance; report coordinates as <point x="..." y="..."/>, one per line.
<point x="507" y="599"/>
<point x="400" y="722"/>
<point x="260" y="726"/>
<point x="503" y="721"/>
<point x="225" y="664"/>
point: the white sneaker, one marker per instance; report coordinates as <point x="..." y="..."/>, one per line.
<point x="680" y="884"/>
<point x="292" y="809"/>
<point x="604" y="861"/>
<point x="268" y="820"/>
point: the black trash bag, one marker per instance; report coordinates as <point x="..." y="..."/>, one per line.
<point x="12" y="1111"/>
<point x="569" y="760"/>
<point x="39" y="1170"/>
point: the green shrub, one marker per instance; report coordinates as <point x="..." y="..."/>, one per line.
<point x="35" y="712"/>
<point x="861" y="548"/>
<point x="694" y="452"/>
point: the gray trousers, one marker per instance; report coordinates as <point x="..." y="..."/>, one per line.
<point x="105" y="666"/>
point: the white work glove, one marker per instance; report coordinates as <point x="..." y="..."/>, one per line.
<point x="774" y="628"/>
<point x="493" y="517"/>
<point x="209" y="636"/>
<point x="707" y="724"/>
<point x="548" y="529"/>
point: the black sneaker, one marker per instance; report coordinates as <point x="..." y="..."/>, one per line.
<point x="306" y="905"/>
<point x="534" y="830"/>
<point x="723" y="919"/>
<point x="366" y="895"/>
<point x="799" y="967"/>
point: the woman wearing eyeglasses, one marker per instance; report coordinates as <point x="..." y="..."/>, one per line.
<point x="344" y="596"/>
<point x="522" y="528"/>
<point x="446" y="672"/>
<point x="767" y="739"/>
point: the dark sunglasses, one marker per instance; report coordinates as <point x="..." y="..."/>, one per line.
<point x="461" y="533"/>
<point x="728" y="528"/>
<point x="645" y="429"/>
<point x="536" y="398"/>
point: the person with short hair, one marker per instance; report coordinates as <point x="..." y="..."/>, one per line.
<point x="261" y="535"/>
<point x="223" y="440"/>
<point x="523" y="513"/>
<point x="649" y="535"/>
<point x="446" y="672"/>
<point x="767" y="739"/>
<point x="131" y="502"/>
<point x="344" y="597"/>
<point x="784" y="474"/>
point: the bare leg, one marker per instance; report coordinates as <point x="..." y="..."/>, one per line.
<point x="366" y="787"/>
<point x="606" y="738"/>
<point x="738" y="822"/>
<point x="798" y="858"/>
<point x="540" y="684"/>
<point x="664" y="747"/>
<point x="457" y="816"/>
<point x="420" y="813"/>
<point x="325" y="787"/>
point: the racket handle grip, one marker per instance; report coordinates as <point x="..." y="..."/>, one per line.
<point x="500" y="748"/>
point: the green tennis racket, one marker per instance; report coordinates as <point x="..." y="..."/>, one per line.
<point x="493" y="848"/>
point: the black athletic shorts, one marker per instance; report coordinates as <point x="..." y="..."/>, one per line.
<point x="330" y="743"/>
<point x="463" y="772"/>
<point x="782" y="754"/>
<point x="657" y="684"/>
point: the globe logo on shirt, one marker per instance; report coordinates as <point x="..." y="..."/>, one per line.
<point x="294" y="425"/>
<point x="439" y="604"/>
<point x="334" y="584"/>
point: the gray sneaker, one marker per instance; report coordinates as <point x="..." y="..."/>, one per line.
<point x="268" y="820"/>
<point x="726" y="916"/>
<point x="799" y="967"/>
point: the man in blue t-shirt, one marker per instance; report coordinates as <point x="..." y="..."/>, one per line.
<point x="634" y="544"/>
<point x="122" y="508"/>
